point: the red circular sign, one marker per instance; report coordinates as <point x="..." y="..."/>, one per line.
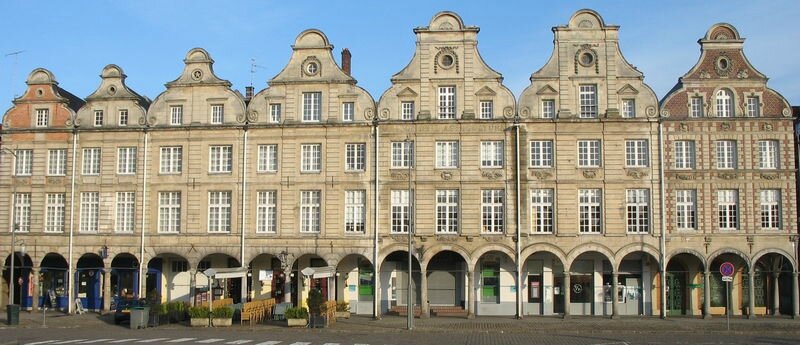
<point x="726" y="269"/>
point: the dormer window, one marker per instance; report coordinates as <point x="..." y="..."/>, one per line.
<point x="724" y="103"/>
<point x="176" y="115"/>
<point x="123" y="117"/>
<point x="487" y="110"/>
<point x="447" y="102"/>
<point x="42" y="117"/>
<point x="312" y="102"/>
<point x="588" y="99"/>
<point x="98" y="118"/>
<point x="348" y="111"/>
<point x="217" y="113"/>
<point x="548" y="109"/>
<point x="696" y="105"/>
<point x="628" y="108"/>
<point x="753" y="106"/>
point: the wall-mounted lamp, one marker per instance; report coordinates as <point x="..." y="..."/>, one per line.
<point x="104" y="252"/>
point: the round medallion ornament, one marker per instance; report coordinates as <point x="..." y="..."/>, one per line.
<point x="197" y="74"/>
<point x="312" y="68"/>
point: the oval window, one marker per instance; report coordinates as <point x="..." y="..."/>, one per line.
<point x="447" y="60"/>
<point x="587" y="59"/>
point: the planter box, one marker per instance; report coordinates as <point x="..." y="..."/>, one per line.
<point x="296" y="322"/>
<point x="342" y="314"/>
<point x="198" y="322"/>
<point x="226" y="322"/>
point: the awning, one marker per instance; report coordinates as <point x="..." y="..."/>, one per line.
<point x="221" y="273"/>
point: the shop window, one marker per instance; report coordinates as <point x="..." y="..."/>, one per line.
<point x="366" y="283"/>
<point x="490" y="276"/>
<point x="581" y="289"/>
<point x="534" y="289"/>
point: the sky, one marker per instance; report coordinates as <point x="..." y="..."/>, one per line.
<point x="149" y="39"/>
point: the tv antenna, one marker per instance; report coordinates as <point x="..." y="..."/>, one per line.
<point x="253" y="67"/>
<point x="14" y="68"/>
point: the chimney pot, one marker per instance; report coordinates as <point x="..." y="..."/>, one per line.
<point x="248" y="92"/>
<point x="346" y="56"/>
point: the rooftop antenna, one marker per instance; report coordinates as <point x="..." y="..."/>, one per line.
<point x="14" y="68"/>
<point x="253" y="67"/>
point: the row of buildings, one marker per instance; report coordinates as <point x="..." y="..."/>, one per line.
<point x="586" y="195"/>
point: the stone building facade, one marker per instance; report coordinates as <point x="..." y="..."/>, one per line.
<point x="560" y="202"/>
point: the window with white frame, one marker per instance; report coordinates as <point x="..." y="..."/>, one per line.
<point x="638" y="210"/>
<point x="171" y="159"/>
<point x="401" y="210"/>
<point x="588" y="153"/>
<point x="724" y="103"/>
<point x="684" y="154"/>
<point x="768" y="157"/>
<point x="90" y="211"/>
<point x="268" y="158"/>
<point x="126" y="206"/>
<point x="91" y="161"/>
<point x="275" y="113"/>
<point x="542" y="211"/>
<point x="267" y="212"/>
<point x="354" y="211"/>
<point x="126" y="160"/>
<point x="311" y="157"/>
<point x="123" y="117"/>
<point x="726" y="154"/>
<point x="728" y="209"/>
<point x="169" y="212"/>
<point x="219" y="211"/>
<point x="446" y="154"/>
<point x="628" y="108"/>
<point x="402" y="154"/>
<point x="220" y="159"/>
<point x="56" y="162"/>
<point x="348" y="111"/>
<point x="55" y="206"/>
<point x="770" y="209"/>
<point x="588" y="101"/>
<point x="98" y="118"/>
<point x="23" y="162"/>
<point x="447" y="211"/>
<point x="541" y="153"/>
<point x="686" y="209"/>
<point x="753" y="106"/>
<point x="696" y="107"/>
<point x="492" y="211"/>
<point x="312" y="106"/>
<point x="487" y="110"/>
<point x="42" y="117"/>
<point x="217" y="114"/>
<point x="548" y="109"/>
<point x="491" y="154"/>
<point x="176" y="115"/>
<point x="447" y="102"/>
<point x="309" y="211"/>
<point x="22" y="212"/>
<point x="636" y="153"/>
<point x="355" y="157"/>
<point x="407" y="110"/>
<point x="590" y="210"/>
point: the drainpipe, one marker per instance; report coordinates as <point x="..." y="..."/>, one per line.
<point x="663" y="240"/>
<point x="71" y="271"/>
<point x="244" y="210"/>
<point x="375" y="294"/>
<point x="142" y="267"/>
<point x="518" y="254"/>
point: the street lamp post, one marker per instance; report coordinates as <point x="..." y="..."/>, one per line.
<point x="13" y="229"/>
<point x="410" y="304"/>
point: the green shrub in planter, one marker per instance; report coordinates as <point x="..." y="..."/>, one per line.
<point x="342" y="306"/>
<point x="222" y="313"/>
<point x="296" y="313"/>
<point x="199" y="312"/>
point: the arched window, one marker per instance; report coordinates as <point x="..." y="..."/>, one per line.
<point x="724" y="103"/>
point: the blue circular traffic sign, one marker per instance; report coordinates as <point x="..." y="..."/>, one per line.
<point x="726" y="269"/>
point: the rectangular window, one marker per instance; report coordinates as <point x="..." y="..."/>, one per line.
<point x="686" y="210"/>
<point x="171" y="159"/>
<point x="123" y="117"/>
<point x="354" y="211"/>
<point x="98" y="118"/>
<point x="23" y="163"/>
<point x="492" y="211"/>
<point x="447" y="211"/>
<point x="446" y="154"/>
<point x="590" y="209"/>
<point x="728" y="209"/>
<point x="42" y="117"/>
<point x="684" y="154"/>
<point x="56" y="162"/>
<point x="126" y="160"/>
<point x="55" y="212"/>
<point x="636" y="153"/>
<point x="275" y="113"/>
<point x="91" y="161"/>
<point x="266" y="215"/>
<point x="401" y="207"/>
<point x="771" y="209"/>
<point x="309" y="210"/>
<point x="402" y="154"/>
<point x="312" y="108"/>
<point x="753" y="106"/>
<point x="220" y="159"/>
<point x="90" y="211"/>
<point x="176" y="115"/>
<point x="126" y="205"/>
<point x="22" y="212"/>
<point x="219" y="211"/>
<point x="355" y="157"/>
<point x="628" y="108"/>
<point x="447" y="102"/>
<point x="548" y="109"/>
<point x="541" y="153"/>
<point x="726" y="154"/>
<point x="491" y="154"/>
<point x="768" y="156"/>
<point x="348" y="111"/>
<point x="311" y="157"/>
<point x="588" y="99"/>
<point x="487" y="110"/>
<point x="638" y="210"/>
<point x="268" y="158"/>
<point x="406" y="110"/>
<point x="588" y="153"/>
<point x="169" y="212"/>
<point x="542" y="211"/>
<point x="179" y="266"/>
<point x="217" y="114"/>
<point x="696" y="107"/>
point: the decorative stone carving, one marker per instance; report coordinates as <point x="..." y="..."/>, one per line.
<point x="397" y="175"/>
<point x="142" y="121"/>
<point x="725" y="126"/>
<point x="684" y="127"/>
<point x="151" y="121"/>
<point x="446" y="175"/>
<point x="664" y="112"/>
<point x="493" y="238"/>
<point x="636" y="173"/>
<point x="400" y="238"/>
<point x="589" y="173"/>
<point x="767" y="127"/>
<point x="704" y="74"/>
<point x="586" y="57"/>
<point x="684" y="177"/>
<point x="252" y="116"/>
<point x="743" y="74"/>
<point x="585" y="24"/>
<point x="727" y="176"/>
<point x="446" y="58"/>
<point x="723" y="65"/>
<point x="767" y="176"/>
<point x="369" y="113"/>
<point x="525" y="112"/>
<point x="447" y="238"/>
<point x="650" y="111"/>
<point x="26" y="181"/>
<point x="508" y="112"/>
<point x="492" y="174"/>
<point x="786" y="112"/>
<point x="542" y="175"/>
<point x="240" y="118"/>
<point x="384" y="115"/>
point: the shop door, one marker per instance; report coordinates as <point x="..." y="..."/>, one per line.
<point x="321" y="284"/>
<point x="676" y="301"/>
<point x="558" y="295"/>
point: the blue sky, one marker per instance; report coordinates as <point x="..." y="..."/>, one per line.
<point x="149" y="39"/>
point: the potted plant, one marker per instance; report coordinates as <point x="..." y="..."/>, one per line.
<point x="296" y="317"/>
<point x="342" y="310"/>
<point x="177" y="311"/>
<point x="198" y="316"/>
<point x="315" y="302"/>
<point x="222" y="317"/>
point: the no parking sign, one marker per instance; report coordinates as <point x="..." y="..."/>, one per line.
<point x="727" y="270"/>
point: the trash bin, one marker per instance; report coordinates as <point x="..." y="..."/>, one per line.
<point x="12" y="314"/>
<point x="140" y="317"/>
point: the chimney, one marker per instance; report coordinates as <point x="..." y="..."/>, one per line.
<point x="248" y="92"/>
<point x="346" y="60"/>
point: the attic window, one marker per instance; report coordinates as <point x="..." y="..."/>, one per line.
<point x="586" y="59"/>
<point x="39" y="92"/>
<point x="112" y="90"/>
<point x="312" y="68"/>
<point x="447" y="60"/>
